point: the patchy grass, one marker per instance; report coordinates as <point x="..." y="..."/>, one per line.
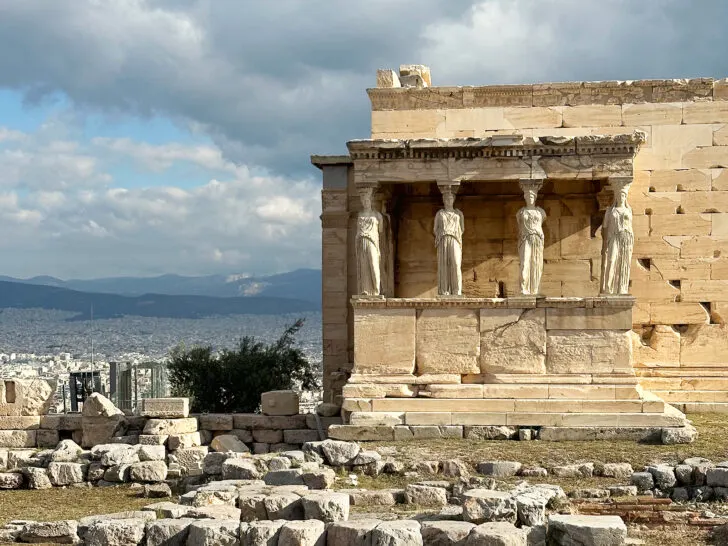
<point x="712" y="443"/>
<point x="672" y="535"/>
<point x="67" y="503"/>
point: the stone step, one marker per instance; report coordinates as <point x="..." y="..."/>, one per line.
<point x="648" y="404"/>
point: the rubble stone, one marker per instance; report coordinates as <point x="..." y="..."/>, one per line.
<point x="484" y="505"/>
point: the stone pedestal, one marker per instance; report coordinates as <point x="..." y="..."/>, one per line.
<point x="519" y="362"/>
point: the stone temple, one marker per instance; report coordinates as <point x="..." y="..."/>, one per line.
<point x="550" y="256"/>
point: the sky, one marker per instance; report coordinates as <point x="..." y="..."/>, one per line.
<point x="144" y="137"/>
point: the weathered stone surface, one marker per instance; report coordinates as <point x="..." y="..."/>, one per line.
<point x="58" y="532"/>
<point x="623" y="490"/>
<point x="445" y="533"/>
<point x="18" y="438"/>
<point x="37" y="478"/>
<point x="212" y="463"/>
<point x="448" y="341"/>
<point x="118" y="473"/>
<point x="326" y="506"/>
<point x="214" y="533"/>
<point x="61" y="421"/>
<point x="166" y="408"/>
<point x="148" y="471"/>
<point x="512" y="341"/>
<point x="216" y="511"/>
<point x="268" y="436"/>
<point x="67" y="451"/>
<point x="679" y="435"/>
<point x="283" y="506"/>
<point x="116" y="532"/>
<point x="482" y="505"/>
<point x="279" y="403"/>
<point x="454" y="468"/>
<point x="581" y="470"/>
<point x="183" y="441"/>
<point x="215" y="421"/>
<point x="113" y="454"/>
<point x="167" y="509"/>
<point x="291" y="476"/>
<point x="101" y="421"/>
<point x="489" y="433"/>
<point x="587" y="530"/>
<point x="397" y="533"/>
<point x="303" y="533"/>
<point x="240" y="469"/>
<point x="384" y="341"/>
<point x="499" y="468"/>
<point x="328" y="409"/>
<point x="582" y="351"/>
<point x="425" y="495"/>
<point x="191" y="459"/>
<point x="11" y="480"/>
<point x="643" y="481"/>
<point x="263" y="533"/>
<point x="323" y="478"/>
<point x="153" y="439"/>
<point x="228" y="442"/>
<point x="351" y="533"/>
<point x="617" y="470"/>
<point x="717" y="477"/>
<point x="338" y="453"/>
<point x="156" y="491"/>
<point x="171" y="426"/>
<point x="499" y="533"/>
<point x="31" y="396"/>
<point x="47" y="438"/>
<point x="152" y="453"/>
<point x="664" y="476"/>
<point x="168" y="532"/>
<point x="66" y="473"/>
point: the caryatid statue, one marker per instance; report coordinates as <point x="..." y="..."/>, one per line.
<point x="449" y="228"/>
<point x="369" y="233"/>
<point x="530" y="238"/>
<point x="617" y="240"/>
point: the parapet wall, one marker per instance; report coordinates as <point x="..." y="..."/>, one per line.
<point x="679" y="198"/>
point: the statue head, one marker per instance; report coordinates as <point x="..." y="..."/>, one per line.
<point x="448" y="198"/>
<point x="365" y="194"/>
<point x="620" y="198"/>
<point x="530" y="194"/>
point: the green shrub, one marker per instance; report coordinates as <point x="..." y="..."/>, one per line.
<point x="233" y="380"/>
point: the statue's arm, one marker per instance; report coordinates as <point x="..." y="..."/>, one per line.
<point x="606" y="229"/>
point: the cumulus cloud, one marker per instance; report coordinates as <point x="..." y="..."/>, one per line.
<point x="269" y="83"/>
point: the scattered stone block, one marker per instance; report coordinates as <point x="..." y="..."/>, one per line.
<point x="47" y="438"/>
<point x="440" y="533"/>
<point x="623" y="491"/>
<point x="498" y="533"/>
<point x="166" y="408"/>
<point x="167" y="509"/>
<point x="17" y="438"/>
<point x="378" y="497"/>
<point x="327" y="409"/>
<point x="212" y="463"/>
<point x="101" y="421"/>
<point x="323" y="478"/>
<point x="425" y="495"/>
<point x="168" y="532"/>
<point x="115" y="532"/>
<point x="291" y="476"/>
<point x="499" y="469"/>
<point x="214" y="533"/>
<point x="67" y="451"/>
<point x="303" y="533"/>
<point x="58" y="532"/>
<point x="264" y="533"/>
<point x="66" y="473"/>
<point x="582" y="470"/>
<point x="240" y="469"/>
<point x="216" y="511"/>
<point x="326" y="506"/>
<point x="643" y="481"/>
<point x="401" y="532"/>
<point x="118" y="473"/>
<point x="148" y="471"/>
<point x="587" y="530"/>
<point x="617" y="470"/>
<point x="533" y="472"/>
<point x="352" y="533"/>
<point x="152" y="453"/>
<point x="664" y="476"/>
<point x="283" y="506"/>
<point x="279" y="463"/>
<point x="679" y="435"/>
<point x="11" y="480"/>
<point x="717" y="477"/>
<point x="228" y="443"/>
<point x="113" y="454"/>
<point x="37" y="478"/>
<point x="485" y="505"/>
<point x="489" y="433"/>
<point x="454" y="468"/>
<point x="339" y="453"/>
<point x="183" y="441"/>
<point x="156" y="491"/>
<point x="593" y="493"/>
<point x="279" y="403"/>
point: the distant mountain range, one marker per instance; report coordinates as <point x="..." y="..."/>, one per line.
<point x="172" y="296"/>
<point x="303" y="284"/>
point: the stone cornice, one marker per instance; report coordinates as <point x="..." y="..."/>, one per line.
<point x="501" y="146"/>
<point x="517" y="302"/>
<point x="549" y="94"/>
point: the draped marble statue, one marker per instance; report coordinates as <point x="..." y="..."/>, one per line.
<point x="369" y="233"/>
<point x="530" y="239"/>
<point x="617" y="242"/>
<point x="449" y="228"/>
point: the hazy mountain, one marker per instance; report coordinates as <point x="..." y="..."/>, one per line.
<point x="302" y="284"/>
<point x="27" y="295"/>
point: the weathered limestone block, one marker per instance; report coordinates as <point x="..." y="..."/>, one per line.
<point x="384" y="341"/>
<point x="66" y="473"/>
<point x="168" y="532"/>
<point x="101" y="421"/>
<point x="326" y="506"/>
<point x="261" y="532"/>
<point x="29" y="396"/>
<point x="171" y="426"/>
<point x="353" y="533"/>
<point x="388" y="78"/>
<point x="11" y="480"/>
<point x="47" y="438"/>
<point x="17" y="438"/>
<point x="378" y="390"/>
<point x="484" y="505"/>
<point x="280" y="403"/>
<point x="148" y="471"/>
<point x="512" y="341"/>
<point x="228" y="442"/>
<point x="595" y="530"/>
<point x="115" y="532"/>
<point x="55" y="532"/>
<point x="61" y="421"/>
<point x="597" y="318"/>
<point x="303" y="533"/>
<point x="588" y="351"/>
<point x="704" y="345"/>
<point x="166" y="408"/>
<point x="656" y="346"/>
<point x="183" y="441"/>
<point x="401" y="532"/>
<point x="497" y="532"/>
<point x="445" y="532"/>
<point x="425" y="495"/>
<point x="215" y="421"/>
<point x="37" y="478"/>
<point x="18" y="422"/>
<point x="448" y="341"/>
<point x="219" y="532"/>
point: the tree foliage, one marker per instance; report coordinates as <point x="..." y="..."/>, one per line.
<point x="233" y="380"/>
